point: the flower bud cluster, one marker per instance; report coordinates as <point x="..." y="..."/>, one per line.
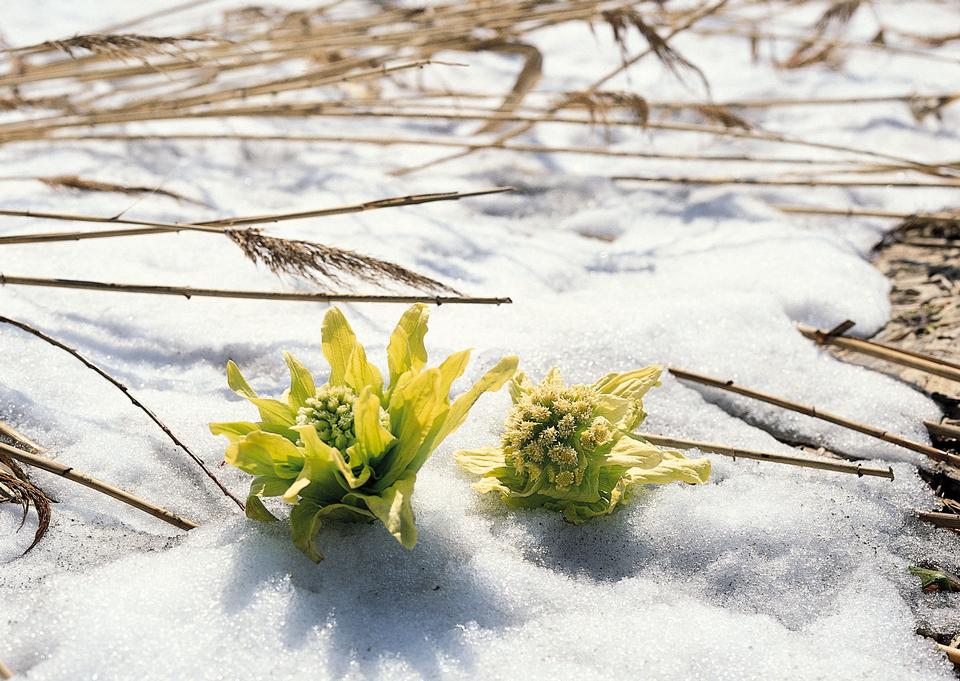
<point x="330" y="411"/>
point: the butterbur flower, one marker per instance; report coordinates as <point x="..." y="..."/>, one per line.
<point x="571" y="448"/>
<point x="351" y="448"/>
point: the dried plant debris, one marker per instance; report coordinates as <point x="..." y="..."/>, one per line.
<point x="599" y="104"/>
<point x="118" y="45"/>
<point x="85" y="184"/>
<point x="622" y="18"/>
<point x="318" y="262"/>
<point x="723" y="116"/>
<point x="837" y="15"/>
<point x="15" y="488"/>
<point x="934" y="580"/>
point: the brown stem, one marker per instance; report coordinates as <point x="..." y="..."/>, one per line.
<point x="737" y="453"/>
<point x="189" y="292"/>
<point x="781" y="181"/>
<point x="729" y="386"/>
<point x="126" y="391"/>
<point x="69" y="473"/>
<point x="914" y="360"/>
<point x="946" y="520"/>
<point x="943" y="429"/>
<point x="5" y="672"/>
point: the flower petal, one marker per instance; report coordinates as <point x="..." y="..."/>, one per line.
<point x="480" y="461"/>
<point x="361" y="374"/>
<point x="372" y="437"/>
<point x="633" y="384"/>
<point x="406" y="351"/>
<point x="302" y="386"/>
<point x="630" y="453"/>
<point x="393" y="508"/>
<point x="491" y="381"/>
<point x="272" y="412"/>
<point x="338" y="341"/>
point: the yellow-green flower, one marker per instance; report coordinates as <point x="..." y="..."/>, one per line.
<point x="571" y="448"/>
<point x="351" y="448"/>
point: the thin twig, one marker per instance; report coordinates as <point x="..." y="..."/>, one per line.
<point x="738" y="453"/>
<point x="69" y="473"/>
<point x="126" y="391"/>
<point x="730" y="386"/>
<point x="189" y="292"/>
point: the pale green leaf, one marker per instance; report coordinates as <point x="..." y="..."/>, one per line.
<point x="361" y="374"/>
<point x="405" y="351"/>
<point x="302" y="386"/>
<point x="338" y="342"/>
<point x="393" y="508"/>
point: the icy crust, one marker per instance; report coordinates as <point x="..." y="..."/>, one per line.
<point x="766" y="572"/>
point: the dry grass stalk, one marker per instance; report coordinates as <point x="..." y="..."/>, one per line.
<point x="695" y="17"/>
<point x="914" y="360"/>
<point x="738" y="453"/>
<point x="784" y="181"/>
<point x="88" y="185"/>
<point x="878" y="433"/>
<point x="190" y="292"/>
<point x="949" y="521"/>
<point x="943" y="429"/>
<point x="74" y="475"/>
<point x="126" y="391"/>
<point x="953" y="654"/>
<point x="945" y="218"/>
<point x="844" y="166"/>
<point x="5" y="672"/>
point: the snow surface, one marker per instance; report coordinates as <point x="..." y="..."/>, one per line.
<point x="766" y="572"/>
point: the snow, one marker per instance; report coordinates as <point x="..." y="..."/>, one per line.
<point x="766" y="572"/>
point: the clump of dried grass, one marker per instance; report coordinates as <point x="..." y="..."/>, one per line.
<point x="16" y="488"/>
<point x="85" y="184"/>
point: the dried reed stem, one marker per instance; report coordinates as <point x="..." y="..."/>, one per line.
<point x="946" y="520"/>
<point x="953" y="654"/>
<point x="219" y="226"/>
<point x="737" y="453"/>
<point x="783" y="182"/>
<point x="847" y="166"/>
<point x="914" y="360"/>
<point x="18" y="437"/>
<point x="943" y="429"/>
<point x="189" y="292"/>
<point x="5" y="672"/>
<point x="126" y="391"/>
<point x="596" y="85"/>
<point x="729" y="386"/>
<point x="69" y="473"/>
<point x="860" y="212"/>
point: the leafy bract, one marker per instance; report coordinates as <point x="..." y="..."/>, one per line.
<point x="350" y="449"/>
<point x="571" y="448"/>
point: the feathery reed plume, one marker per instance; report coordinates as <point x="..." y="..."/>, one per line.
<point x="116" y="45"/>
<point x="18" y="490"/>
<point x="72" y="474"/>
<point x="315" y="261"/>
